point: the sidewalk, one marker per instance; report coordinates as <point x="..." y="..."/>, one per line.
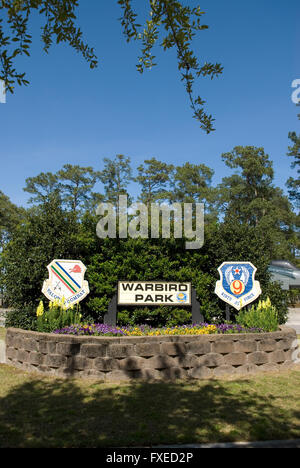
<point x="294" y="319"/>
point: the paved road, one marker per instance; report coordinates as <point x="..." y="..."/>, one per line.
<point x="294" y="319"/>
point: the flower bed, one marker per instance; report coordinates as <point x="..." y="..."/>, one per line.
<point x="159" y="357"/>
<point x="100" y="329"/>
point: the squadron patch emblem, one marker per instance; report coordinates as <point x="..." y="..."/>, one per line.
<point x="66" y="280"/>
<point x="237" y="285"/>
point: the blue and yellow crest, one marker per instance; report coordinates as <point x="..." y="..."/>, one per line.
<point x="181" y="297"/>
<point x="237" y="285"/>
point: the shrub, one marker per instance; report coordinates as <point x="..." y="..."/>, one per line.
<point x="263" y="316"/>
<point x="21" y="317"/>
<point x="58" y="316"/>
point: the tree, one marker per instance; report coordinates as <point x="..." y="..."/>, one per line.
<point x="115" y="176"/>
<point x="250" y="198"/>
<point x="76" y="185"/>
<point x="293" y="184"/>
<point x="192" y="184"/>
<point x="153" y="177"/>
<point x="169" y="21"/>
<point x="46" y="233"/>
<point x="10" y="217"/>
<point x="244" y="195"/>
<point x="42" y="187"/>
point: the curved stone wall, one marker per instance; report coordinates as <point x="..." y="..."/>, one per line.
<point x="149" y="357"/>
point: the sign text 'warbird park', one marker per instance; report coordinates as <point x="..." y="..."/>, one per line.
<point x="153" y="293"/>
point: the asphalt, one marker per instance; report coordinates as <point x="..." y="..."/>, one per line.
<point x="294" y="319"/>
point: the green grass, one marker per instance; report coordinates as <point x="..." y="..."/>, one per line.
<point x="2" y="333"/>
<point x="37" y="411"/>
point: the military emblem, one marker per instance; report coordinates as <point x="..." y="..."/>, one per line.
<point x="237" y="285"/>
<point x="181" y="297"/>
<point x="66" y="280"/>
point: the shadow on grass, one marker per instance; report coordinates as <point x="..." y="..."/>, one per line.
<point x="69" y="413"/>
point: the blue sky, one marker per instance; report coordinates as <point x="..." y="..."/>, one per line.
<point x="71" y="114"/>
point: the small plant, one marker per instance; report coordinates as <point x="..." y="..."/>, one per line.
<point x="263" y="316"/>
<point x="57" y="316"/>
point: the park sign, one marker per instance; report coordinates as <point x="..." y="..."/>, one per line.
<point x="237" y="285"/>
<point x="66" y="282"/>
<point x="154" y="293"/>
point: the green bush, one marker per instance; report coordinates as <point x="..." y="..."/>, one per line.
<point x="263" y="316"/>
<point x="56" y="317"/>
<point x="21" y="317"/>
<point x="51" y="233"/>
<point x="154" y="316"/>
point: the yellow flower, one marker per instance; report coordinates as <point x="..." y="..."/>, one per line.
<point x="40" y="309"/>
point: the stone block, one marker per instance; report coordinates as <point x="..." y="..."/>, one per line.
<point x="42" y="346"/>
<point x="55" y="360"/>
<point x="211" y="360"/>
<point x="78" y="363"/>
<point x="36" y="358"/>
<point x="200" y="372"/>
<point x="259" y="357"/>
<point x="132" y="363"/>
<point x="30" y="344"/>
<point x="22" y="355"/>
<point x="147" y="349"/>
<point x="246" y="369"/>
<point x="160" y="362"/>
<point x="277" y="356"/>
<point x="173" y="373"/>
<point x="11" y="353"/>
<point x="266" y="344"/>
<point x="185" y="361"/>
<point x="105" y="364"/>
<point x="198" y="347"/>
<point x="285" y="344"/>
<point x="173" y="349"/>
<point x="223" y="347"/>
<point x="9" y="339"/>
<point x="223" y="370"/>
<point x="235" y="359"/>
<point x="94" y="350"/>
<point x="68" y="349"/>
<point x="51" y="347"/>
<point x="269" y="367"/>
<point x="245" y="346"/>
<point x="120" y="351"/>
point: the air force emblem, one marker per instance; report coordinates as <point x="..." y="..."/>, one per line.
<point x="66" y="280"/>
<point x="237" y="285"/>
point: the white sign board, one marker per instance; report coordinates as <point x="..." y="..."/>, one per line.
<point x="154" y="293"/>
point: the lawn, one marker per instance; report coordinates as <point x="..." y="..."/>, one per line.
<point x="37" y="411"/>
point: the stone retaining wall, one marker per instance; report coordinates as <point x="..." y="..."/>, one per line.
<point x="149" y="357"/>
